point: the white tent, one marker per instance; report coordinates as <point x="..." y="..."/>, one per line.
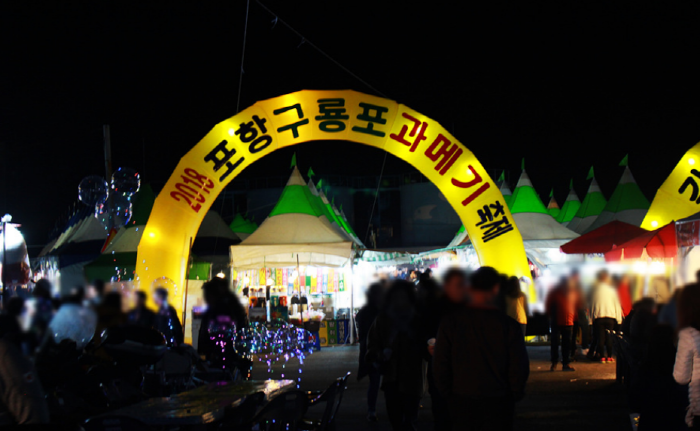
<point x="294" y="232"/>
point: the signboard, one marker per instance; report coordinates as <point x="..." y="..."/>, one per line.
<point x="309" y="115"/>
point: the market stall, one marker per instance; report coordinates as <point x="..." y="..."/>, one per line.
<point x="296" y="265"/>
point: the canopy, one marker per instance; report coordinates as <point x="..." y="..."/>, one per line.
<point x="569" y="209"/>
<point x="659" y="243"/>
<point x="591" y="207"/>
<point x="533" y="220"/>
<point x="627" y="203"/>
<point x="297" y="230"/>
<point x="603" y="239"/>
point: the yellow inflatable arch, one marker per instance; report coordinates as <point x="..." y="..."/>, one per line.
<point x="309" y="115"/>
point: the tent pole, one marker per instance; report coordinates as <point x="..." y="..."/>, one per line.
<point x="352" y="303"/>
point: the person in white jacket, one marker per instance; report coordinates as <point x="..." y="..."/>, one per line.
<point x="686" y="370"/>
<point x="606" y="311"/>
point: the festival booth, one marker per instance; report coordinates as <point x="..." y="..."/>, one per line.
<point x="591" y="207"/>
<point x="651" y="255"/>
<point x="297" y="266"/>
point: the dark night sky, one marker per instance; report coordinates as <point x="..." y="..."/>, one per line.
<point x="563" y="84"/>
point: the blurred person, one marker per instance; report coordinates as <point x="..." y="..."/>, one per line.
<point x="668" y="315"/>
<point x="109" y="313"/>
<point x="452" y="298"/>
<point x="96" y="292"/>
<point x="686" y="370"/>
<point x="642" y="322"/>
<point x="481" y="364"/>
<point x="224" y="313"/>
<point x="561" y="307"/>
<point x="624" y="293"/>
<point x="606" y="312"/>
<point x="396" y="344"/>
<point x="43" y="308"/>
<point x="516" y="305"/>
<point x="166" y="319"/>
<point x="22" y="399"/>
<point x="660" y="401"/>
<point x="364" y="320"/>
<point x="141" y="315"/>
<point x="581" y="319"/>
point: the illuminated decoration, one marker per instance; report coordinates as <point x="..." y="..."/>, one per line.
<point x="627" y="203"/>
<point x="269" y="343"/>
<point x="591" y="207"/>
<point x="93" y="190"/>
<point x="112" y="205"/>
<point x="570" y="207"/>
<point x="236" y="143"/>
<point x="679" y="196"/>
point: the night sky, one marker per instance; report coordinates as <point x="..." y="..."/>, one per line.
<point x="565" y="85"/>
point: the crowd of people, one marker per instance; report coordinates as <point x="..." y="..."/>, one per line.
<point x="469" y="332"/>
<point x="25" y="332"/>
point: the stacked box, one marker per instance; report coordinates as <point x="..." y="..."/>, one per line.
<point x="332" y="332"/>
<point x="343" y="331"/>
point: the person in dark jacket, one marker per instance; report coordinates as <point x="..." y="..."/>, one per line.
<point x="480" y="363"/>
<point x="364" y="319"/>
<point x="660" y="401"/>
<point x="452" y="298"/>
<point x="396" y="343"/>
<point x="166" y="320"/>
<point x="141" y="315"/>
<point x="225" y="316"/>
<point x="22" y="399"/>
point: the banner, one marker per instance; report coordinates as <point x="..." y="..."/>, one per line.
<point x="309" y="115"/>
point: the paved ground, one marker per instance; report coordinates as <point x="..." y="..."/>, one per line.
<point x="587" y="399"/>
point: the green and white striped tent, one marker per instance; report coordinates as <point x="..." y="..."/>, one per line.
<point x="537" y="227"/>
<point x="297" y="230"/>
<point x="627" y="203"/>
<point x="591" y="207"/>
<point x="570" y="208"/>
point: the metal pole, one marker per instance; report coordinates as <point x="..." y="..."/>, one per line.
<point x="187" y="288"/>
